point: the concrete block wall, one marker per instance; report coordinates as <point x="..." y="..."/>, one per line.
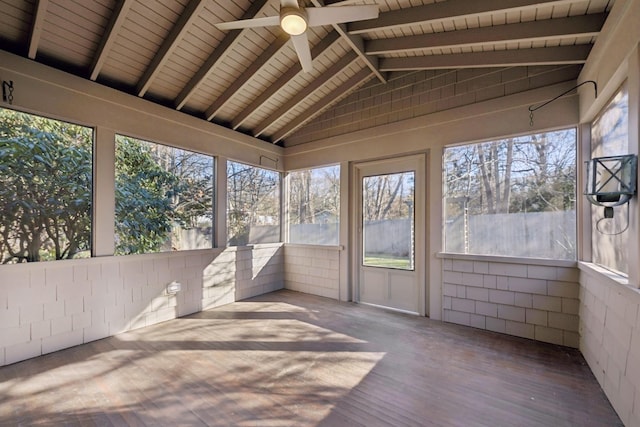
<point x="49" y="306"/>
<point x="536" y="299"/>
<point x="419" y="93"/>
<point x="312" y="269"/>
<point x="238" y="273"/>
<point x="610" y="338"/>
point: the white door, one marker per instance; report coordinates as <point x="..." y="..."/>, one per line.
<point x="389" y="249"/>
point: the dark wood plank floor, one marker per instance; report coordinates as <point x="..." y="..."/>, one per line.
<point x="292" y="359"/>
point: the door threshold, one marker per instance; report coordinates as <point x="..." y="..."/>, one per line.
<point x="384" y="307"/>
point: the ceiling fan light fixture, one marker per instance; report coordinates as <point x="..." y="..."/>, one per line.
<point x="293" y="21"/>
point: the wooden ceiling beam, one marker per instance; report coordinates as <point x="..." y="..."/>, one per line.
<point x="240" y="83"/>
<point x="36" y="29"/>
<point x="562" y="55"/>
<point x="562" y="28"/>
<point x="450" y="9"/>
<point x="259" y="101"/>
<point x="221" y="50"/>
<point x="348" y="86"/>
<point x="169" y="45"/>
<point x="302" y="95"/>
<point x="357" y="45"/>
<point x="108" y="39"/>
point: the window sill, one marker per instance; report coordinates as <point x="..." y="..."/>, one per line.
<point x="508" y="259"/>
<point x="250" y="246"/>
<point x="311" y="246"/>
<point x="608" y="277"/>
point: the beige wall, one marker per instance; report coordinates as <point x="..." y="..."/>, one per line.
<point x="430" y="134"/>
<point x="44" y="90"/>
<point x="609" y="303"/>
<point x="419" y="93"/>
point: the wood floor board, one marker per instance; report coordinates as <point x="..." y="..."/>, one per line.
<point x="290" y="359"/>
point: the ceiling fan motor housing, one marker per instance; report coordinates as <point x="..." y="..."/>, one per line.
<point x="293" y="20"/>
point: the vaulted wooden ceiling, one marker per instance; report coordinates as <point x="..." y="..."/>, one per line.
<point x="170" y="51"/>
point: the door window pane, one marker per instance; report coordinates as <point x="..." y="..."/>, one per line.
<point x="388" y="220"/>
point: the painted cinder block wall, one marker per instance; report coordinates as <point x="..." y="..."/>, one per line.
<point x="312" y="269"/>
<point x="49" y="306"/>
<point x="610" y="338"/>
<point x="535" y="299"/>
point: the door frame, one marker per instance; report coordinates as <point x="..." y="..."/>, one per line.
<point x="391" y="165"/>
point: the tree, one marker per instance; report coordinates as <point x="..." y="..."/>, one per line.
<point x="46" y="191"/>
<point x="253" y="198"/>
<point x="300" y="198"/>
<point x="525" y="174"/>
<point x="522" y="175"/>
<point x="386" y="196"/>
<point x="495" y="168"/>
<point x="45" y="188"/>
<point x="144" y="212"/>
<point x="314" y="195"/>
<point x="193" y="202"/>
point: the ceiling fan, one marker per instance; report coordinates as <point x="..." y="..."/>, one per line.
<point x="295" y="20"/>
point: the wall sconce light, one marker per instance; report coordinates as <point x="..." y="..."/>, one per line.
<point x="611" y="181"/>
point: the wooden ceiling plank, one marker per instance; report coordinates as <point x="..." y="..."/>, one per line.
<point x="37" y="28"/>
<point x="169" y="45"/>
<point x="239" y="84"/>
<point x="108" y="39"/>
<point x="357" y="45"/>
<point x="355" y="81"/>
<point x="502" y="58"/>
<point x="226" y="43"/>
<point x="316" y="51"/>
<point x="306" y="92"/>
<point x="586" y="25"/>
<point x="447" y="10"/>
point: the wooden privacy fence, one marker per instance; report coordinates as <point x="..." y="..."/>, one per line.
<point x="315" y="234"/>
<point x="533" y="234"/>
<point x="391" y="237"/>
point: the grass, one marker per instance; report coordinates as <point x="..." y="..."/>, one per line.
<point x="387" y="261"/>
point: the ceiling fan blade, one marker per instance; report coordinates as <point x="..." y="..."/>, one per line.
<point x="335" y="15"/>
<point x="301" y="45"/>
<point x="249" y="23"/>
